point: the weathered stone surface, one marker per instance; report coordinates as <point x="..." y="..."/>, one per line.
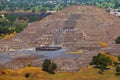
<point x="68" y="27"/>
<point x="20" y="62"/>
<point x="66" y="64"/>
<point x="77" y="28"/>
<point x="113" y="49"/>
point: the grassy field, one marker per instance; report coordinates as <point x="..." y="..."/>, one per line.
<point x="38" y="74"/>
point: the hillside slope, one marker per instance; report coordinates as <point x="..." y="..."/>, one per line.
<point x="37" y="74"/>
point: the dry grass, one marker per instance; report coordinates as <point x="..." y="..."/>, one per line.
<point x="37" y="74"/>
<point x="8" y="36"/>
<point x="76" y="52"/>
<point x="103" y="44"/>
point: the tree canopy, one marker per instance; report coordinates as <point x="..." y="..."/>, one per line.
<point x="101" y="61"/>
<point x="39" y="5"/>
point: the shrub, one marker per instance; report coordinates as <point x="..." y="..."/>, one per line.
<point x="117" y="41"/>
<point x="29" y="65"/>
<point x="27" y="75"/>
<point x="3" y="72"/>
<point x="118" y="70"/>
<point x="101" y="61"/>
<point x="52" y="68"/>
<point x="119" y="58"/>
<point x="49" y="66"/>
<point x="102" y="68"/>
<point x="115" y="63"/>
<point x="46" y="64"/>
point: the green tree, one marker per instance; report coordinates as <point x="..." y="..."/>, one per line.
<point x="19" y="26"/>
<point x="117" y="40"/>
<point x="33" y="18"/>
<point x="118" y="70"/>
<point x="11" y="18"/>
<point x="52" y="68"/>
<point x="119" y="58"/>
<point x="46" y="64"/>
<point x="101" y="61"/>
<point x="49" y="66"/>
<point x="102" y="68"/>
